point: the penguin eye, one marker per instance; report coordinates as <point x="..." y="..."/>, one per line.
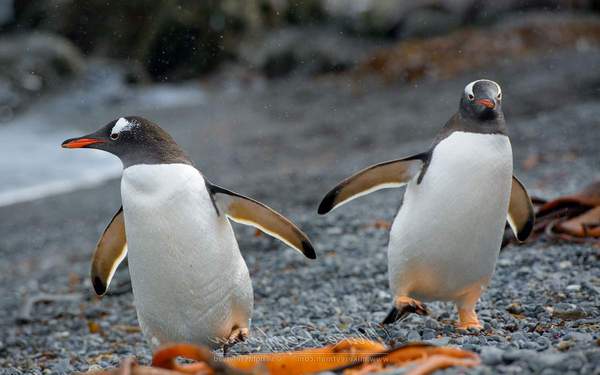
<point x="499" y="96"/>
<point x="471" y="97"/>
<point x="114" y="136"/>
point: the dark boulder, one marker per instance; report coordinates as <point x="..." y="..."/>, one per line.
<point x="306" y="50"/>
<point x="172" y="39"/>
<point x="34" y="63"/>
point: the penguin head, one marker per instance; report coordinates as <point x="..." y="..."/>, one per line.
<point x="482" y="100"/>
<point x="134" y="140"/>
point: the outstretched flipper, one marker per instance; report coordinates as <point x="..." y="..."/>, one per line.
<point x="395" y="173"/>
<point x="247" y="211"/>
<point x="521" y="216"/>
<point x="109" y="253"/>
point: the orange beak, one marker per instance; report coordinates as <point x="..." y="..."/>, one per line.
<point x="486" y="103"/>
<point x="80" y="142"/>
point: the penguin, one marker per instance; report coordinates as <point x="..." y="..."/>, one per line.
<point x="190" y="282"/>
<point x="446" y="236"/>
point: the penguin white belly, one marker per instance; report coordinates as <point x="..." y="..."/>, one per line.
<point x="190" y="282"/>
<point x="446" y="237"/>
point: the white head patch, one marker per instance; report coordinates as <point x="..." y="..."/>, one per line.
<point x="469" y="87"/>
<point x="121" y="125"/>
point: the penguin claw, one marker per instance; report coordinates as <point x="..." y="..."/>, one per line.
<point x="237" y="335"/>
<point x="403" y="307"/>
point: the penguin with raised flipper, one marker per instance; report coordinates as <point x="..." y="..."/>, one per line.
<point x="190" y="282"/>
<point x="445" y="239"/>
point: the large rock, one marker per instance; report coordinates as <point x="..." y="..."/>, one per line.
<point x="7" y="12"/>
<point x="426" y="18"/>
<point x="304" y="50"/>
<point x="31" y="64"/>
<point x="399" y="19"/>
<point x="427" y="21"/>
<point x="484" y="12"/>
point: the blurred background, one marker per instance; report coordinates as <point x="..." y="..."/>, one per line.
<point x="260" y="65"/>
<point x="277" y="99"/>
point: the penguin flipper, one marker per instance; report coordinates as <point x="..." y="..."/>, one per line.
<point x="395" y="173"/>
<point x="110" y="252"/>
<point x="521" y="216"/>
<point x="248" y="211"/>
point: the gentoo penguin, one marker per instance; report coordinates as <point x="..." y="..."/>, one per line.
<point x="446" y="237"/>
<point x="190" y="282"/>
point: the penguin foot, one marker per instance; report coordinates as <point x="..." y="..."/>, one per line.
<point x="404" y="306"/>
<point x="468" y="319"/>
<point x="237" y="335"/>
<point x="469" y="325"/>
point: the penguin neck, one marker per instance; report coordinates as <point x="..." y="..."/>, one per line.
<point x="166" y="154"/>
<point x="468" y="123"/>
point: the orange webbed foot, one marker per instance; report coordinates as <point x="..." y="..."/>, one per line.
<point x="468" y="319"/>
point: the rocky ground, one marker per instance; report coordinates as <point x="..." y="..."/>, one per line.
<point x="286" y="143"/>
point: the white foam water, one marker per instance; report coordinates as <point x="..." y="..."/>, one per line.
<point x="33" y="164"/>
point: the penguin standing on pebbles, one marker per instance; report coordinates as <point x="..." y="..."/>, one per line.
<point x="190" y="282"/>
<point x="446" y="237"/>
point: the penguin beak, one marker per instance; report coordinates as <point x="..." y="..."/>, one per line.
<point x="488" y="103"/>
<point x="81" y="142"/>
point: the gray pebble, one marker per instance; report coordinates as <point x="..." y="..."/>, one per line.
<point x="491" y="356"/>
<point x="441" y="341"/>
<point x="414" y="336"/>
<point x="428" y="334"/>
<point x="10" y="371"/>
<point x="431" y="323"/>
<point x="568" y="311"/>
